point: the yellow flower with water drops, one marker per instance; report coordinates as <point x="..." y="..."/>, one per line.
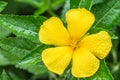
<point x="73" y="45"/>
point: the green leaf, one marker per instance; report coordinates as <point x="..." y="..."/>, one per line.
<point x="3" y="32"/>
<point x="15" y="73"/>
<point x="2" y="5"/>
<point x="65" y="9"/>
<point x="33" y="62"/>
<point x="47" y="5"/>
<point x="97" y="1"/>
<point x="4" y="76"/>
<point x="115" y="68"/>
<point x="24" y="26"/>
<point x="43" y="5"/>
<point x="14" y="49"/>
<point x="81" y="4"/>
<point x="3" y="59"/>
<point x="34" y="3"/>
<point x="102" y="74"/>
<point x="23" y="54"/>
<point x="107" y="14"/>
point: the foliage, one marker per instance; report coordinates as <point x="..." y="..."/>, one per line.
<point x="4" y="76"/>
<point x="20" y="46"/>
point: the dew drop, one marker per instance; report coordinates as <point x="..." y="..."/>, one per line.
<point x="103" y="36"/>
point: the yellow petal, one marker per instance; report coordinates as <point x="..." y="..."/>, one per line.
<point x="79" y="22"/>
<point x="99" y="44"/>
<point x="52" y="32"/>
<point x="84" y="63"/>
<point x="57" y="59"/>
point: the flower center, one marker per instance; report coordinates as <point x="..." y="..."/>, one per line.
<point x="74" y="44"/>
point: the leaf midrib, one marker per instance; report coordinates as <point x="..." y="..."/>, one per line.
<point x="105" y="14"/>
<point x="89" y="5"/>
<point x="80" y="3"/>
<point x="14" y="47"/>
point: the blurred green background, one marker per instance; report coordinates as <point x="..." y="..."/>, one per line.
<point x="50" y="8"/>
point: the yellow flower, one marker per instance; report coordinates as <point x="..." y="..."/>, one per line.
<point x="72" y="45"/>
